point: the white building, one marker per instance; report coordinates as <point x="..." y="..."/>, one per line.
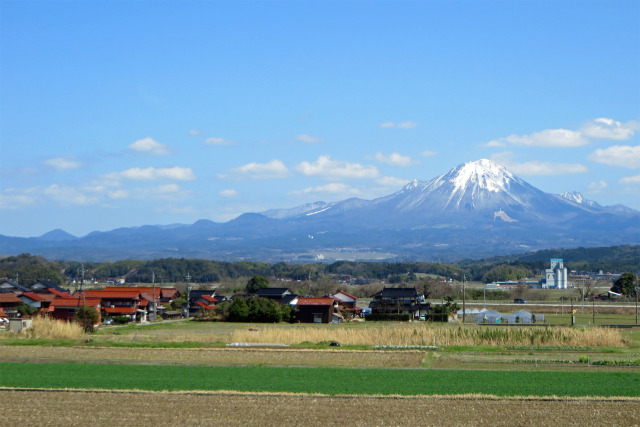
<point x="556" y="276"/>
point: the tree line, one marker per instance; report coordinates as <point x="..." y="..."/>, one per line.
<point x="28" y="269"/>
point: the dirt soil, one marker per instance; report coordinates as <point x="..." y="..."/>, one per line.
<point x="64" y="408"/>
<point x="216" y="356"/>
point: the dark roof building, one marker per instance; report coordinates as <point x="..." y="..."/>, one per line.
<point x="396" y="300"/>
<point x="281" y="295"/>
<point x="7" y="285"/>
<point x="43" y="286"/>
<point x="315" y="310"/>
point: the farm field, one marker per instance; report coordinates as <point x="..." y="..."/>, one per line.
<point x="498" y="377"/>
<point x="321" y="380"/>
<point x="240" y="409"/>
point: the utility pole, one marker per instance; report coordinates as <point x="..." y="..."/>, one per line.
<point x="582" y="292"/>
<point x="188" y="294"/>
<point x="153" y="280"/>
<point x="484" y="296"/>
<point x="637" y="289"/>
<point x="82" y="284"/>
<point x="464" y="298"/>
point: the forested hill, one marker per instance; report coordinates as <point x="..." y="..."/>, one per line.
<point x="613" y="259"/>
<point x="29" y="269"/>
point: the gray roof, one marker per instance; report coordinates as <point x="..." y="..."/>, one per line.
<point x="273" y="292"/>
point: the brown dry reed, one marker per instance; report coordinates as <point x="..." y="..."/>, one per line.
<point x="47" y="328"/>
<point x="438" y="336"/>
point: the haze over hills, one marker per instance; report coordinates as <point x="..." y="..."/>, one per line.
<point x="477" y="209"/>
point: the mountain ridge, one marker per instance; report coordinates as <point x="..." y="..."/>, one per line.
<point x="475" y="210"/>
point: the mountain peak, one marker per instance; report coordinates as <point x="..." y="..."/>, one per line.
<point x="483" y="174"/>
<point x="57" y="235"/>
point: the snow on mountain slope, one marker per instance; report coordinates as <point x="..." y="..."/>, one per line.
<point x="577" y="197"/>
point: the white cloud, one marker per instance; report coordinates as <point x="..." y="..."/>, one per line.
<point x="600" y="128"/>
<point x="68" y="195"/>
<point x="228" y="193"/>
<point x="118" y="194"/>
<point x="335" y="170"/>
<point x="598" y="186"/>
<point x="547" y="168"/>
<point x="402" y="125"/>
<point x="63" y="164"/>
<point x="332" y="188"/>
<point x="496" y="143"/>
<point x="625" y="156"/>
<point x="166" y="192"/>
<point x="12" y="199"/>
<point x="394" y="159"/>
<point x="545" y="138"/>
<point x="275" y="169"/>
<point x="308" y="139"/>
<point x="194" y="132"/>
<point x="536" y="168"/>
<point x="149" y="146"/>
<point x="218" y="141"/>
<point x="152" y="174"/>
<point x="429" y="153"/>
<point x="393" y="182"/>
<point x="631" y="180"/>
<point x="407" y="125"/>
<point x="604" y="128"/>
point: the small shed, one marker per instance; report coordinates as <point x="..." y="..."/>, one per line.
<point x="315" y="310"/>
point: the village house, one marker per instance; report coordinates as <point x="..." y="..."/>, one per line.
<point x="347" y="302"/>
<point x="9" y="302"/>
<point x="45" y="286"/>
<point x="280" y="295"/>
<point x="397" y="300"/>
<point x="118" y="303"/>
<point x="63" y="308"/>
<point x="7" y="285"/>
<point x="39" y="301"/>
<point x="315" y="310"/>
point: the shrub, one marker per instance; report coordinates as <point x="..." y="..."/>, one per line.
<point x="399" y="317"/>
<point x="87" y="317"/>
<point x="121" y="320"/>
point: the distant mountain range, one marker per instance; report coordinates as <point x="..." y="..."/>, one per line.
<point x="477" y="209"/>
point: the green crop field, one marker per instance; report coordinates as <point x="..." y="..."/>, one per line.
<point x="330" y="381"/>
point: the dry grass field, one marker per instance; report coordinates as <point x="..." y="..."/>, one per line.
<point x="215" y="356"/>
<point x="65" y="408"/>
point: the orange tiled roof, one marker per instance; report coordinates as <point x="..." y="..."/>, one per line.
<point x="34" y="296"/>
<point x="75" y="302"/>
<point x="315" y="301"/>
<point x="9" y="297"/>
<point x="207" y="307"/>
<point x="58" y="293"/>
<point x="104" y="293"/>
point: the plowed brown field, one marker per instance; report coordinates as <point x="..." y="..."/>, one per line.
<point x="64" y="408"/>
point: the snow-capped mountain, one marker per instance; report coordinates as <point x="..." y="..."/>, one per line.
<point x="475" y="210"/>
<point x="472" y="193"/>
<point x="577" y="197"/>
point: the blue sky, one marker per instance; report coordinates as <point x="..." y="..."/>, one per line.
<point x="125" y="113"/>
